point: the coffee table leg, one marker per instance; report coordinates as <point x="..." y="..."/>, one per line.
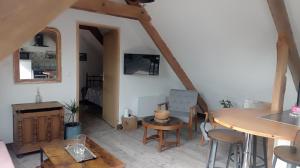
<point x="42" y="158"/>
<point x="161" y="140"/>
<point x="177" y="137"/>
<point x="145" y="135"/>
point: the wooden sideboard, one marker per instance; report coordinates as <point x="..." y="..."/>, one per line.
<point x="35" y="124"/>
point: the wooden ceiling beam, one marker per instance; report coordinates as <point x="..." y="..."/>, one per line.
<point x="280" y="75"/>
<point x="94" y="31"/>
<point x="135" y="11"/>
<point x="21" y="20"/>
<point x="283" y="26"/>
<point x="168" y="55"/>
<point x="112" y="8"/>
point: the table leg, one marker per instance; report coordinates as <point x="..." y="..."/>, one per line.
<point x="42" y="157"/>
<point x="247" y="151"/>
<point x="177" y="137"/>
<point x="145" y="135"/>
<point x="270" y="150"/>
<point x="161" y="140"/>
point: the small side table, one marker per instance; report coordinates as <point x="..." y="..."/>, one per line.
<point x="174" y="124"/>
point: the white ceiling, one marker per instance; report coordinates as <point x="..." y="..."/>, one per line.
<point x="226" y="47"/>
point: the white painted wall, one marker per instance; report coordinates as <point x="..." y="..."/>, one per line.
<point x="93" y="66"/>
<point x="133" y="39"/>
<point x="226" y="47"/>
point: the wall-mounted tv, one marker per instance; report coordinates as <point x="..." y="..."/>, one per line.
<point x="143" y="64"/>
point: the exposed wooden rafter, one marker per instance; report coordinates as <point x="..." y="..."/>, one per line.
<point x="280" y="77"/>
<point x="133" y="2"/>
<point x="137" y="12"/>
<point x="21" y="20"/>
<point x="167" y="53"/>
<point x="112" y="8"/>
<point x="283" y="26"/>
<point x="95" y="32"/>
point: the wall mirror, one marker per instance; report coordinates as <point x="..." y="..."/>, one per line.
<point x="39" y="59"/>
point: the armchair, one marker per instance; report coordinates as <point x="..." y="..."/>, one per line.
<point x="183" y="105"/>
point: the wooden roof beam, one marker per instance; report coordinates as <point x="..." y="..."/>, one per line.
<point x="112" y="8"/>
<point x="168" y="55"/>
<point x="95" y="32"/>
<point x="135" y="11"/>
<point x="283" y="26"/>
<point x="21" y="20"/>
<point x="280" y="75"/>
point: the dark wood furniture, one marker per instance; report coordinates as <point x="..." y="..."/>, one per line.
<point x="174" y="124"/>
<point x="58" y="157"/>
<point x="36" y="124"/>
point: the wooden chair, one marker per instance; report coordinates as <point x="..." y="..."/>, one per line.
<point x="289" y="154"/>
<point x="183" y="105"/>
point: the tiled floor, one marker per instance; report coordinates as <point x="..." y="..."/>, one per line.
<point x="128" y="147"/>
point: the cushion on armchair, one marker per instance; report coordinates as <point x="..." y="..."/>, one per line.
<point x="182" y="100"/>
<point x="184" y="116"/>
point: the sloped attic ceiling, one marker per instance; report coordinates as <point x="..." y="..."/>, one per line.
<point x="227" y="48"/>
<point x="22" y="20"/>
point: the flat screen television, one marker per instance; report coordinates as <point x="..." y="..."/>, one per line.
<point x="142" y="64"/>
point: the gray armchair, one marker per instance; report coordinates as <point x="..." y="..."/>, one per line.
<point x="183" y="105"/>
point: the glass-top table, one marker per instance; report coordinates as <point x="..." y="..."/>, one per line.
<point x="284" y="117"/>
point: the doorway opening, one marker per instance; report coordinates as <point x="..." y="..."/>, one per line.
<point x="98" y="73"/>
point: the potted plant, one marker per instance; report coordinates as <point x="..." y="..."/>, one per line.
<point x="226" y="103"/>
<point x="72" y="128"/>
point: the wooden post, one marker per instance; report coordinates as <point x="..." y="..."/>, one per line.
<point x="281" y="21"/>
<point x="279" y="85"/>
<point x="166" y="52"/>
<point x="280" y="78"/>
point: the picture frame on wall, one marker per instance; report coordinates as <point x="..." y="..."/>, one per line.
<point x="83" y="56"/>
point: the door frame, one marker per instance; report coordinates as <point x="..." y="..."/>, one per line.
<point x="101" y="26"/>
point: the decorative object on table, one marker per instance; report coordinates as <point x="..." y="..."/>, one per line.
<point x="161" y="116"/>
<point x="72" y="128"/>
<point x="295" y="110"/>
<point x="38" y="97"/>
<point x="226" y="103"/>
<point x="57" y="156"/>
<point x="78" y="150"/>
<point x="183" y="104"/>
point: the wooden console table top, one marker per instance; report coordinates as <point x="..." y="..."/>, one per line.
<point x="42" y="105"/>
<point x="58" y="157"/>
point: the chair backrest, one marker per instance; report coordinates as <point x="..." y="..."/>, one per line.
<point x="182" y="100"/>
<point x="256" y="104"/>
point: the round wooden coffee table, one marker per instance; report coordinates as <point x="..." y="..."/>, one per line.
<point x="174" y="124"/>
